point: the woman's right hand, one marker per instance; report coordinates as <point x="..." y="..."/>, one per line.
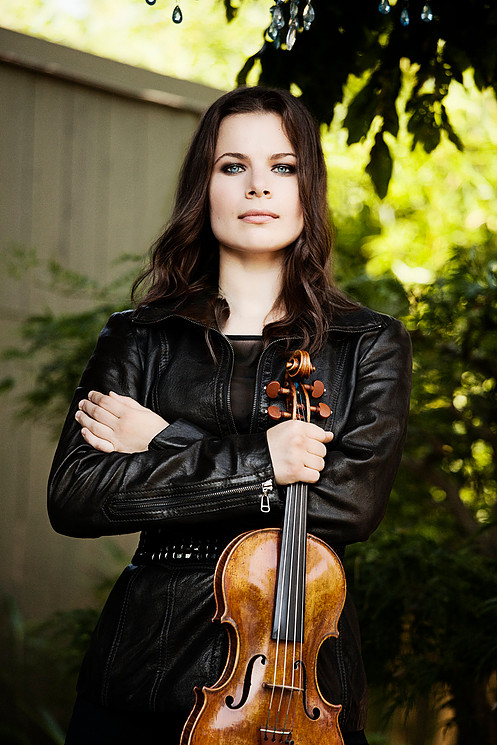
<point x="297" y="451"/>
<point x="116" y="423"/>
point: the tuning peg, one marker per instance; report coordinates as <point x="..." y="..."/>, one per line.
<point x="273" y="389"/>
<point x="274" y="412"/>
<point x="316" y="389"/>
<point x="323" y="410"/>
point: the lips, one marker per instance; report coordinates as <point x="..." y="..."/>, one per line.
<point x="258" y="216"/>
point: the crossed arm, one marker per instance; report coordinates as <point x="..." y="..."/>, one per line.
<point x="115" y="423"/>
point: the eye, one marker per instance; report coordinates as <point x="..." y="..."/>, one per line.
<point x="284" y="169"/>
<point x="233" y="168"/>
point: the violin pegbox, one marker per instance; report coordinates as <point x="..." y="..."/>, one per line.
<point x="298" y="405"/>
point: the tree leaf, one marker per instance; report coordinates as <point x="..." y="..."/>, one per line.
<point x="380" y="165"/>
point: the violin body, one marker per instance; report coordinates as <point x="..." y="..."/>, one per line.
<point x="268" y="691"/>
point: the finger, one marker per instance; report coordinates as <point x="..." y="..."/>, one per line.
<point x="309" y="475"/>
<point x="111" y="405"/>
<point x="96" y="428"/>
<point x="321" y="435"/>
<point x="97" y="442"/>
<point x="125" y="400"/>
<point x="314" y="462"/>
<point x="316" y="448"/>
<point x="98" y="413"/>
<point x="317" y="433"/>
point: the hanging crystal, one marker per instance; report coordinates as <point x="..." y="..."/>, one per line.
<point x="291" y="36"/>
<point x="308" y="16"/>
<point x="273" y="32"/>
<point x="294" y="9"/>
<point x="278" y="20"/>
<point x="384" y="7"/>
<point x="404" y="17"/>
<point x="177" y="15"/>
<point x="426" y="13"/>
<point x="150" y="2"/>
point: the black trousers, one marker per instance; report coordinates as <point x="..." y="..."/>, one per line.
<point x="94" y="725"/>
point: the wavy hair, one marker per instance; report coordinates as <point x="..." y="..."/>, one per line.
<point x="184" y="261"/>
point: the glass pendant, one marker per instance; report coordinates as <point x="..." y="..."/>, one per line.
<point x="384" y="7"/>
<point x="278" y="20"/>
<point x="291" y="36"/>
<point x="308" y="16"/>
<point x="273" y="32"/>
<point x="426" y="13"/>
<point x="177" y="15"/>
<point x="404" y="17"/>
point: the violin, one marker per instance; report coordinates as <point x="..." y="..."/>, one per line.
<point x="280" y="593"/>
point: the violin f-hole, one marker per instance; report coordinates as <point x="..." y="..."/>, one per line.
<point x="315" y="712"/>
<point x="247" y="682"/>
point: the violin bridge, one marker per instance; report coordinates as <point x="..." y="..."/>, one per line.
<point x="272" y="735"/>
<point x="291" y="689"/>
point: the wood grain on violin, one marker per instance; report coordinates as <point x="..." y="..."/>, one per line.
<point x="280" y="593"/>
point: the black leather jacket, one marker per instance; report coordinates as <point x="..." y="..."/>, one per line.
<point x="199" y="477"/>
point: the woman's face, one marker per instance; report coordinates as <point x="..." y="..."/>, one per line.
<point x="254" y="192"/>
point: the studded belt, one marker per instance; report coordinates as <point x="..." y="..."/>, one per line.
<point x="156" y="548"/>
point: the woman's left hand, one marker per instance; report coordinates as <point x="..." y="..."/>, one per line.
<point x="117" y="423"/>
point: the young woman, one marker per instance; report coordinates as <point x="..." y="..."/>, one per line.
<point x="168" y="433"/>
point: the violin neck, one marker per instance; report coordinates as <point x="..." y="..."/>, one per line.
<point x="288" y="621"/>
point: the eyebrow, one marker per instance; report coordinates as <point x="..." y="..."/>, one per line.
<point x="241" y="156"/>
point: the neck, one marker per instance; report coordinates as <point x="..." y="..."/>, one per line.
<point x="250" y="283"/>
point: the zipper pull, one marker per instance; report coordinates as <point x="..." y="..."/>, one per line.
<point x="266" y="488"/>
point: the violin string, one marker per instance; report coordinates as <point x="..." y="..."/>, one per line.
<point x="296" y="496"/>
<point x="301" y="577"/>
<point x="292" y="493"/>
<point x="302" y="570"/>
<point x="292" y="608"/>
<point x="301" y="412"/>
<point x="291" y="553"/>
<point x="279" y="610"/>
<point x="296" y="636"/>
<point x="299" y="585"/>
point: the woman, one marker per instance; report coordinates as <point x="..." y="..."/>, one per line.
<point x="168" y="432"/>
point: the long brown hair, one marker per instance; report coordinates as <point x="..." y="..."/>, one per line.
<point x="184" y="264"/>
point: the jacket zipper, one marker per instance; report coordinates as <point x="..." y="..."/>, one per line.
<point x="228" y="392"/>
<point x="266" y="486"/>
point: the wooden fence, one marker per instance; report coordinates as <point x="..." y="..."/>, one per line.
<point x="89" y="155"/>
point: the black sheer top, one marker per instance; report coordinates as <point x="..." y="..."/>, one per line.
<point x="247" y="352"/>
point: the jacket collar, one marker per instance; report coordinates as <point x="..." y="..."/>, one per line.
<point x="357" y="321"/>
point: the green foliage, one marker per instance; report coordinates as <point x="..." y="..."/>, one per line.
<point x="391" y="78"/>
<point x="428" y="614"/>
<point x="60" y="345"/>
<point x="354" y="39"/>
<point x="38" y="670"/>
<point x="452" y="443"/>
<point x="425" y="585"/>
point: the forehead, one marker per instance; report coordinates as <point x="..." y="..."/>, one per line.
<point x="252" y="132"/>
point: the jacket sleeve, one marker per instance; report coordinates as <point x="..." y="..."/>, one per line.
<point x="350" y="498"/>
<point x="187" y="474"/>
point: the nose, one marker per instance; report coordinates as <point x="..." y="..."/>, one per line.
<point x="258" y="192"/>
<point x="257" y="188"/>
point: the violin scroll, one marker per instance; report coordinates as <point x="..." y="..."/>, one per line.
<point x="296" y="392"/>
